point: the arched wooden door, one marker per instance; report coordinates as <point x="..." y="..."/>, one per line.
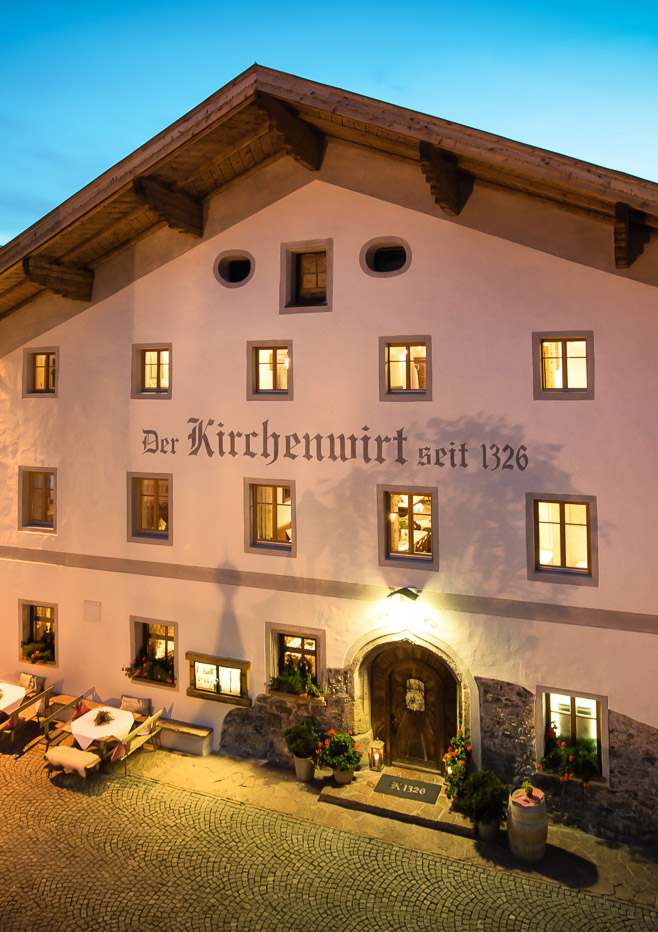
<point x="414" y="706"/>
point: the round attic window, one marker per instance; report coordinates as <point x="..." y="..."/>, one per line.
<point x="385" y="256"/>
<point x="234" y="268"/>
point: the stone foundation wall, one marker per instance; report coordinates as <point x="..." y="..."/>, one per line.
<point x="624" y="811"/>
<point x="258" y="731"/>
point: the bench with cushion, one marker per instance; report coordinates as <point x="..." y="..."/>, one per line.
<point x="73" y="759"/>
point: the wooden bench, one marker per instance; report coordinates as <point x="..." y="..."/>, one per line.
<point x="73" y="759"/>
<point x="185" y="737"/>
<point x="145" y="731"/>
<point x="28" y="710"/>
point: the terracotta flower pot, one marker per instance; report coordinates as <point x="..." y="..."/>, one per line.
<point x="343" y="776"/>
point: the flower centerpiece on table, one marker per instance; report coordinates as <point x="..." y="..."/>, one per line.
<point x="456" y="761"/>
<point x="103" y="717"/>
<point x="338" y="751"/>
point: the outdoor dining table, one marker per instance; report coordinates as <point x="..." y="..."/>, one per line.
<point x="85" y="730"/>
<point x="11" y="697"/>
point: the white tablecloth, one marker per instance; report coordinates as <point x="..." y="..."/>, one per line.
<point x="85" y="730"/>
<point x="11" y="697"/>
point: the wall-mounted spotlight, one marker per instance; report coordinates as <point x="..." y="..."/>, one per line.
<point x="409" y="592"/>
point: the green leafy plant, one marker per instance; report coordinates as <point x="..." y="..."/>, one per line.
<point x="569" y="758"/>
<point x="527" y="788"/>
<point x="338" y="751"/>
<point x="102" y="717"/>
<point x="302" y="738"/>
<point x="484" y="797"/>
<point x="42" y="651"/>
<point x="296" y="678"/>
<point x="456" y="761"/>
<point x="157" y="669"/>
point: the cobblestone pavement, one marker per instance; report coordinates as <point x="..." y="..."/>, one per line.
<point x="130" y="854"/>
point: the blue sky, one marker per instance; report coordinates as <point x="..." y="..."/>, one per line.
<point x="84" y="84"/>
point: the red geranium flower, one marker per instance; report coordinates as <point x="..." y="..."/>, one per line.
<point x="571" y="757"/>
<point x="331" y="731"/>
<point x="468" y="747"/>
<point x="563" y="744"/>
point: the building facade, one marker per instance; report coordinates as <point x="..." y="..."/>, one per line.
<point x="311" y="382"/>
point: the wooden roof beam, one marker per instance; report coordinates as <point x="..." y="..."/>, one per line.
<point x="300" y="140"/>
<point x="439" y="168"/>
<point x="66" y="280"/>
<point x="630" y="235"/>
<point x="178" y="210"/>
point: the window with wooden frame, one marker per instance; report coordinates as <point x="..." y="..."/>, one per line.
<point x="563" y="538"/>
<point x="40" y="371"/>
<point x="150" y="508"/>
<point x="38" y="625"/>
<point x="154" y="657"/>
<point x="563" y="365"/>
<point x="272" y="515"/>
<point x="152" y="371"/>
<point x="409" y="525"/>
<point x="38" y="491"/>
<point x="306" y="276"/>
<point x="219" y="679"/>
<point x="269" y="370"/>
<point x="297" y="650"/>
<point x="581" y="722"/>
<point x="405" y="368"/>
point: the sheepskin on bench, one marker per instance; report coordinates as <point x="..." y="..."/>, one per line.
<point x="66" y="758"/>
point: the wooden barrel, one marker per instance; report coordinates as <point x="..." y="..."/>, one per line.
<point x="527" y="825"/>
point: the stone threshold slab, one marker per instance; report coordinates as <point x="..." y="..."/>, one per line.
<point x="360" y="795"/>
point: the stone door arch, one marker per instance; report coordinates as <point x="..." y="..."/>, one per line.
<point x="414" y="696"/>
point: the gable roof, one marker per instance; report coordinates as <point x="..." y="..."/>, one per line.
<point x="263" y="115"/>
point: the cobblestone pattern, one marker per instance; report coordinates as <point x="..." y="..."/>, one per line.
<point x="258" y="731"/>
<point x="124" y="854"/>
<point x="626" y="811"/>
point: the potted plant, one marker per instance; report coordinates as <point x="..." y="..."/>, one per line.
<point x="570" y="758"/>
<point x="339" y="752"/>
<point x="296" y="678"/>
<point x="302" y="740"/>
<point x="484" y="802"/>
<point x="456" y="761"/>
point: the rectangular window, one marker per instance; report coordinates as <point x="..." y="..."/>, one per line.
<point x="40" y="371"/>
<point x="269" y="370"/>
<point x="154" y="657"/>
<point x="581" y="722"/>
<point x="151" y="368"/>
<point x="149" y="508"/>
<point x="37" y="499"/>
<point x="271" y="517"/>
<point x="299" y="651"/>
<point x="38" y="624"/>
<point x="219" y="678"/>
<point x="306" y="276"/>
<point x="407" y="522"/>
<point x="405" y="368"/>
<point x="563" y="365"/>
<point x="563" y="538"/>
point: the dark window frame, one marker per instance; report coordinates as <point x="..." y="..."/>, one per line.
<point x="138" y="387"/>
<point x="387" y="557"/>
<point x="136" y="532"/>
<point x="540" y="572"/>
<point x="254" y="392"/>
<point x="562" y="336"/>
<point x="227" y="663"/>
<point x="404" y="394"/>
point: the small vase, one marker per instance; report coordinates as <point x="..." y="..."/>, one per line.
<point x="343" y="776"/>
<point x="304" y="768"/>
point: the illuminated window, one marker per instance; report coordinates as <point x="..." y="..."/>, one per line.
<point x="306" y="276"/>
<point x="150" y="508"/>
<point x="219" y="678"/>
<point x="299" y="651"/>
<point x="154" y="657"/>
<point x="405" y="368"/>
<point x="272" y="515"/>
<point x="563" y="538"/>
<point x="38" y="489"/>
<point x="40" y="371"/>
<point x="581" y="722"/>
<point x="410" y="525"/>
<point x="38" y="623"/>
<point x="563" y="365"/>
<point x="151" y="371"/>
<point x="269" y="373"/>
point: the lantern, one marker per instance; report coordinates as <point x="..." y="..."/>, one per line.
<point x="376" y="755"/>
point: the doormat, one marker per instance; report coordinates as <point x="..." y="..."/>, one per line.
<point x="408" y="789"/>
